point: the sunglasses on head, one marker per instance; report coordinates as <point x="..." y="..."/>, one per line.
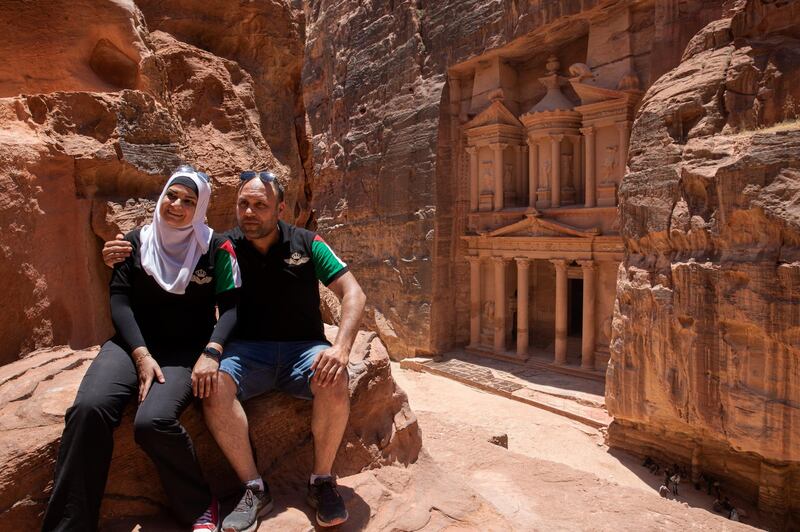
<point x="264" y="175"/>
<point x="185" y="168"/>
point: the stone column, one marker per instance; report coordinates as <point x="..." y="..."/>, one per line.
<point x="555" y="168"/>
<point x="499" y="304"/>
<point x="589" y="296"/>
<point x="561" y="311"/>
<point x="523" y="284"/>
<point x="474" y="193"/>
<point x="498" y="148"/>
<point x="533" y="171"/>
<point x="624" y="129"/>
<point x="523" y="173"/>
<point x="519" y="182"/>
<point x="590" y="193"/>
<point x="474" y="300"/>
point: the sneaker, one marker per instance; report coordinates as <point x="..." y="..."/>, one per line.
<point x="253" y="504"/>
<point x="324" y="497"/>
<point x="209" y="521"/>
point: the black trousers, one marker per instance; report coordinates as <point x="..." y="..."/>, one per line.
<point x="87" y="443"/>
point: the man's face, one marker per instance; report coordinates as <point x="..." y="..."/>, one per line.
<point x="257" y="209"/>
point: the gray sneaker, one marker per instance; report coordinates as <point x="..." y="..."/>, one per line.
<point x="244" y="518"/>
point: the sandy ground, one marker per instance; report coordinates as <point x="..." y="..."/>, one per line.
<point x="543" y="448"/>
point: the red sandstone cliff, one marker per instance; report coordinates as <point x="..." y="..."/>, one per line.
<point x="705" y="364"/>
<point x="95" y="110"/>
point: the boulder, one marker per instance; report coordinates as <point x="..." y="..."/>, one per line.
<point x="36" y="391"/>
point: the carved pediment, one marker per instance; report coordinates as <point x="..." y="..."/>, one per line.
<point x="495" y="114"/>
<point x="535" y="225"/>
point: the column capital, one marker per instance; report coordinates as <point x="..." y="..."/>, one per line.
<point x="523" y="261"/>
<point x="588" y="264"/>
<point x="625" y="125"/>
<point x="498" y="145"/>
<point x="556" y="137"/>
<point x="471" y="150"/>
<point x="473" y="258"/>
<point x="560" y="264"/>
<point x="499" y="260"/>
<point x="588" y="131"/>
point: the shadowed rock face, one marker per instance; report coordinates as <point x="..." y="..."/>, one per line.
<point x="705" y="366"/>
<point x="36" y="391"/>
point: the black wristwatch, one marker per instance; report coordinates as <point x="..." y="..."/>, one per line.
<point x="213" y="353"/>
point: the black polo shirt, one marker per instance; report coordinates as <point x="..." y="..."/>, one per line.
<point x="279" y="298"/>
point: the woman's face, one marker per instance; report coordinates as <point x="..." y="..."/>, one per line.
<point x="177" y="207"/>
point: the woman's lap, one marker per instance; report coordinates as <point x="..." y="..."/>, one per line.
<point x="111" y="381"/>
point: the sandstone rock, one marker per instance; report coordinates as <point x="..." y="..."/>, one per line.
<point x="80" y="145"/>
<point x="704" y="356"/>
<point x="36" y="391"/>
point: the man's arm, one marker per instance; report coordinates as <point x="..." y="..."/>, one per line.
<point x="115" y="251"/>
<point x="331" y="364"/>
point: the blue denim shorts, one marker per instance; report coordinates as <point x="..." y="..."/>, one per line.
<point x="260" y="367"/>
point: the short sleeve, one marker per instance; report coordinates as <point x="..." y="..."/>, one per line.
<point x="226" y="268"/>
<point x="327" y="265"/>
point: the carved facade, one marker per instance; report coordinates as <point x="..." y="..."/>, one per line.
<point x="540" y="239"/>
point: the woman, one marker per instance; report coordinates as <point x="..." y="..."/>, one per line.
<point x="166" y="349"/>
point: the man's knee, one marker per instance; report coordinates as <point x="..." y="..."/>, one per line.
<point x="223" y="396"/>
<point x="338" y="392"/>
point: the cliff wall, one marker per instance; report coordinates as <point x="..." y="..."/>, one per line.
<point x="705" y="367"/>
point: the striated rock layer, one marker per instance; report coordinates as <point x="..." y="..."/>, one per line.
<point x="36" y="391"/>
<point x="89" y="134"/>
<point x="705" y="354"/>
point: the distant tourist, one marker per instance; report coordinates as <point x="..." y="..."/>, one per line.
<point x="664" y="491"/>
<point x="676" y="479"/>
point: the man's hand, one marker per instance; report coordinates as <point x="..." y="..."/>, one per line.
<point x="147" y="369"/>
<point x="330" y="365"/>
<point x="115" y="251"/>
<point x="205" y="376"/>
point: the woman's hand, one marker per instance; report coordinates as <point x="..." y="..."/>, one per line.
<point x="205" y="375"/>
<point x="147" y="368"/>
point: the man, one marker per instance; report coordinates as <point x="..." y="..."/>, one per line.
<point x="279" y="343"/>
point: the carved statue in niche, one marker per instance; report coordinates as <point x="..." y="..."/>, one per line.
<point x="610" y="162"/>
<point x="487" y="318"/>
<point x="487" y="177"/>
<point x="548" y="170"/>
<point x="566" y="168"/>
<point x="508" y="182"/>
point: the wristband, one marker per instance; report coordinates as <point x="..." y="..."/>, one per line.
<point x="212" y="353"/>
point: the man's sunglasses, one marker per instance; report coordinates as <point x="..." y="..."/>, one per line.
<point x="185" y="168"/>
<point x="265" y="176"/>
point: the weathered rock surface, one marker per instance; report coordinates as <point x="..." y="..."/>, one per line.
<point x="86" y="147"/>
<point x="36" y="391"/>
<point x="705" y="365"/>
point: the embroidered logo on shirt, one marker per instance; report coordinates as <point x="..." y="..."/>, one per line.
<point x="201" y="277"/>
<point x="296" y="259"/>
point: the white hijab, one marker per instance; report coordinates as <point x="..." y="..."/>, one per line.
<point x="169" y="255"/>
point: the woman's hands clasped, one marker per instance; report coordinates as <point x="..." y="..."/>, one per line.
<point x="147" y="369"/>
